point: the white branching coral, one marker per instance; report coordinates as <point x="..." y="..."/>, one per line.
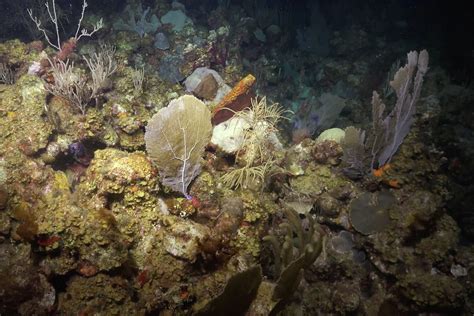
<point x="53" y="19"/>
<point x="71" y="84"/>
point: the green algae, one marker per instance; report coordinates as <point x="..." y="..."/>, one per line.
<point x="316" y="180"/>
<point x="23" y="104"/>
<point x="17" y="52"/>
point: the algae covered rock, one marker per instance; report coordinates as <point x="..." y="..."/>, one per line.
<point x="112" y="171"/>
<point x="24" y="125"/>
<point x="23" y="289"/>
<point x="428" y="291"/>
<point x="16" y="52"/>
<point x="327" y="152"/>
<point x="370" y="212"/>
<point x="339" y="298"/>
<point x="316" y="180"/>
<point x="121" y="207"/>
<point x="100" y="294"/>
<point x="184" y="238"/>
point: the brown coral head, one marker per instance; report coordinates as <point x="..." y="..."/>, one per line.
<point x="214" y="252"/>
<point x="3" y="197"/>
<point x="207" y="88"/>
<point x="66" y="49"/>
<point x="327" y="151"/>
<point x="36" y="46"/>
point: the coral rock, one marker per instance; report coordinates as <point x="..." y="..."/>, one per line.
<point x="3" y="197"/>
<point x="207" y="88"/>
<point x="183" y="239"/>
<point x="327" y="151"/>
<point x="199" y="83"/>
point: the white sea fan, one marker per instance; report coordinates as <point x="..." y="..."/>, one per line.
<point x="175" y="140"/>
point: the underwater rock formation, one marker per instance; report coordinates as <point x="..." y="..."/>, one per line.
<point x="24" y="290"/>
<point x="202" y="86"/>
<point x="90" y="223"/>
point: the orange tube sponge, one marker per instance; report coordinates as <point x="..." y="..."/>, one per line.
<point x="236" y="100"/>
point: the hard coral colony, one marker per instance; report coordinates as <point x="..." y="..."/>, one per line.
<point x="233" y="157"/>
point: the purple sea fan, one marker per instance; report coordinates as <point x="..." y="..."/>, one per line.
<point x="390" y="132"/>
<point x="175" y="140"/>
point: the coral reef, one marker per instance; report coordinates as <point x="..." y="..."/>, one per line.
<point x="194" y="163"/>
